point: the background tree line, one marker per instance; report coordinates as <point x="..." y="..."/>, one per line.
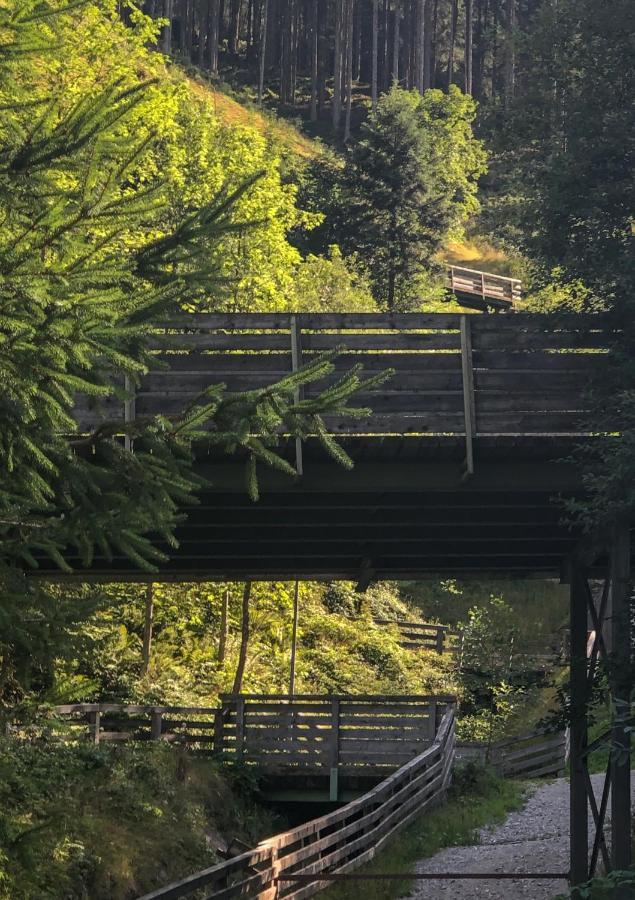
<point x="314" y="52"/>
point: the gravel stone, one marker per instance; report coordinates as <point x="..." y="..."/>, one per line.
<point x="533" y="839"/>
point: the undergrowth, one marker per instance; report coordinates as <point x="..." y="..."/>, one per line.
<point x="477" y="797"/>
<point x="112" y="822"/>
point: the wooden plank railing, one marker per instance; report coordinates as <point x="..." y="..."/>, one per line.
<point x="498" y="291"/>
<point x="330" y="735"/>
<point x="338" y="842"/>
<point x="523" y="756"/>
<point x="467" y="375"/>
<point x="424" y="636"/>
<point x="99" y="722"/>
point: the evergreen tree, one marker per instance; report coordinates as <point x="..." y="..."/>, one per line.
<point x="406" y="184"/>
<point x="84" y="274"/>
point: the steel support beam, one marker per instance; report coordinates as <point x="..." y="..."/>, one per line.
<point x="620" y="677"/>
<point x="579" y="828"/>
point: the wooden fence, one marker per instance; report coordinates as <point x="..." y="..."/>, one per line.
<point x="424" y="636"/>
<point x="497" y="291"/>
<point x="338" y="842"/>
<point x="525" y="756"/>
<point x="97" y="722"/>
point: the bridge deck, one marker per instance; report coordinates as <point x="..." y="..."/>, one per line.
<point x="456" y="470"/>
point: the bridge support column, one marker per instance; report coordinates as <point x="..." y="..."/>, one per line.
<point x="608" y="652"/>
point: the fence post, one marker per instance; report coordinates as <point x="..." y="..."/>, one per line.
<point x="240" y="728"/>
<point x="335" y="749"/>
<point x="219" y="738"/>
<point x="156" y="725"/>
<point x="94" y="724"/>
<point x="440" y="640"/>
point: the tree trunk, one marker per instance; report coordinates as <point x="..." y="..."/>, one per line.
<point x="510" y="61"/>
<point x="244" y="640"/>
<point x="375" y="51"/>
<point x="315" y="57"/>
<point x="212" y="36"/>
<point x="234" y="26"/>
<point x="468" y="46"/>
<point x="427" y="45"/>
<point x="350" y="4"/>
<point x="166" y="40"/>
<point x="147" y="629"/>
<point x="419" y="39"/>
<point x="224" y="625"/>
<point x="337" y="67"/>
<point x="263" y="49"/>
<point x="396" y="41"/>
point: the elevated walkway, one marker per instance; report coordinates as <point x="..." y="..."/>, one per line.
<point x="455" y="471"/>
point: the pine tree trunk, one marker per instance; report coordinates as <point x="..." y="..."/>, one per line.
<point x="264" y="15"/>
<point x="396" y="41"/>
<point x="166" y="40"/>
<point x="427" y="45"/>
<point x="419" y="38"/>
<point x="244" y="640"/>
<point x="214" y="28"/>
<point x="350" y="13"/>
<point x="234" y="26"/>
<point x="375" y="52"/>
<point x="315" y="50"/>
<point x="510" y="60"/>
<point x="224" y="625"/>
<point x="468" y="46"/>
<point x="337" y="66"/>
<point x="148" y="625"/>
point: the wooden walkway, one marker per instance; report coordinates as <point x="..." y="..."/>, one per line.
<point x="484" y="291"/>
<point x="455" y="471"/>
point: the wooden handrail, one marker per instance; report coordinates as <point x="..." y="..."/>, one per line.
<point x="337" y="842"/>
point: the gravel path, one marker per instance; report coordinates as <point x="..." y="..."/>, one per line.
<point x="534" y="839"/>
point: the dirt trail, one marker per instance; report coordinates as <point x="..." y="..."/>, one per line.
<point x="534" y="839"/>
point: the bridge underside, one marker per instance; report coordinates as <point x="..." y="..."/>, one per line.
<point x="407" y="510"/>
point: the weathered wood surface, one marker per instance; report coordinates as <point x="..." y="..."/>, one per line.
<point x="308" y="733"/>
<point x="423" y="635"/>
<point x="524" y="756"/>
<point x="337" y="842"/>
<point x="524" y="374"/>
<point x="497" y="291"/>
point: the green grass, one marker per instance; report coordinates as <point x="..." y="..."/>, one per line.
<point x="477" y="798"/>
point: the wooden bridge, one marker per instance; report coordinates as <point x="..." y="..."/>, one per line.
<point x="455" y="474"/>
<point x="484" y="291"/>
<point x="455" y="471"/>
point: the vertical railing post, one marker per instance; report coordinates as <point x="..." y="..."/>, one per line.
<point x="440" y="640"/>
<point x="219" y="737"/>
<point x="579" y="826"/>
<point x="469" y="408"/>
<point x="94" y="726"/>
<point x="296" y="362"/>
<point x="156" y="724"/>
<point x="240" y="728"/>
<point x="334" y="750"/>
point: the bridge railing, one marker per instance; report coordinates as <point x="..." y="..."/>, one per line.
<point x="494" y="290"/>
<point x="467" y="375"/>
<point x="338" y="842"/>
<point x="330" y="735"/>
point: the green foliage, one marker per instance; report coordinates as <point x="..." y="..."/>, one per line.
<point x="476" y="798"/>
<point x="112" y="822"/>
<point x="111" y="219"/>
<point x="406" y="184"/>
<point x="602" y="888"/>
<point x="100" y="658"/>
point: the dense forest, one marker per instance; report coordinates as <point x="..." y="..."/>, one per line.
<point x="234" y="156"/>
